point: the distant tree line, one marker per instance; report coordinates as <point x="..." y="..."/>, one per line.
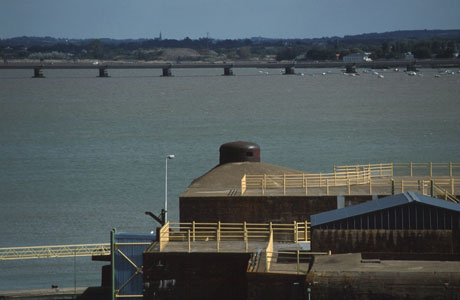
<point x="393" y="45"/>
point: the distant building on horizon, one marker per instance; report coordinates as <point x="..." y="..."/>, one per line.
<point x="159" y="38"/>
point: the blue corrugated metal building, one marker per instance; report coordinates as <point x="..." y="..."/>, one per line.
<point x="402" y="211"/>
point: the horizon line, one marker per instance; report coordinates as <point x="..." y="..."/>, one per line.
<point x="211" y="38"/>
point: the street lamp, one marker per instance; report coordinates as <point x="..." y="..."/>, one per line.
<point x="171" y="156"/>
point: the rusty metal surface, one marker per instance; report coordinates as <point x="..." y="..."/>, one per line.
<point x="239" y="152"/>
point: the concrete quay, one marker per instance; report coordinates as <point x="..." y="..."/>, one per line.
<point x="43" y="294"/>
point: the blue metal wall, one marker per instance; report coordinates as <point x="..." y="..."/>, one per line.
<point x="124" y="270"/>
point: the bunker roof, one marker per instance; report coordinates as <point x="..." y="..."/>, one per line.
<point x="225" y="180"/>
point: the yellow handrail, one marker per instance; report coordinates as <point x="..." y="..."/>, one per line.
<point x="388" y="169"/>
<point x="218" y="232"/>
<point x="343" y="176"/>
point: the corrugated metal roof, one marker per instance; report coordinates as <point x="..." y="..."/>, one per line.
<point x="379" y="204"/>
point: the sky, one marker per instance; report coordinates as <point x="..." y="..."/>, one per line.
<point x="221" y="19"/>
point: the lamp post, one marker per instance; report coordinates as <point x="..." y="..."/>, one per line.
<point x="171" y="156"/>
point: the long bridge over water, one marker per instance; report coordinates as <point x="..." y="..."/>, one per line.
<point x="289" y="67"/>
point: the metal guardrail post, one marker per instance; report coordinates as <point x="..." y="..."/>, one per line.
<point x="245" y="237"/>
<point x="306" y="186"/>
<point x="218" y="236"/>
<point x="431" y="169"/>
<point x="188" y="239"/>
<point x="392" y="186"/>
<point x="284" y="184"/>
<point x="296" y="236"/>
<point x="193" y="230"/>
<point x="432" y="188"/>
<point x="298" y="262"/>
<point x="112" y="259"/>
<point x="450" y="170"/>
<point x="410" y="169"/>
<point x="264" y="184"/>
<point x="306" y="231"/>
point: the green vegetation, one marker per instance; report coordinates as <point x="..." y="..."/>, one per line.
<point x="391" y="45"/>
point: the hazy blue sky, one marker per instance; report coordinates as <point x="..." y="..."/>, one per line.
<point x="221" y="18"/>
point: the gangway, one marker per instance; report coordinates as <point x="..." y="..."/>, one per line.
<point x="35" y="252"/>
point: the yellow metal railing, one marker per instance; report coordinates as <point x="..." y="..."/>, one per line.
<point x="440" y="192"/>
<point x="353" y="177"/>
<point x="405" y="169"/>
<point x="218" y="232"/>
<point x="303" y="180"/>
<point x="375" y="170"/>
<point x="269" y="249"/>
<point x="54" y="251"/>
<point x="443" y="188"/>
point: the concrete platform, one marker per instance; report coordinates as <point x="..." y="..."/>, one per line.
<point x="344" y="276"/>
<point x="51" y="293"/>
<point x="226" y="246"/>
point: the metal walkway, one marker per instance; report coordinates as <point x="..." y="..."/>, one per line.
<point x="54" y="251"/>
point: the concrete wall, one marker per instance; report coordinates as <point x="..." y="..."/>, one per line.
<point x="261" y="209"/>
<point x="375" y="240"/>
<point x="272" y="286"/>
<point x="384" y="285"/>
<point x="200" y="276"/>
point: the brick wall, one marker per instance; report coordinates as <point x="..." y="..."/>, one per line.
<point x="261" y="209"/>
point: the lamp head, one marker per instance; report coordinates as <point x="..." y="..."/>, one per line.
<point x="171" y="156"/>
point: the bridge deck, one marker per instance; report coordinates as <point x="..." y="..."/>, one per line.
<point x="430" y="63"/>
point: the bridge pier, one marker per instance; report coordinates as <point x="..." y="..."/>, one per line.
<point x="228" y="71"/>
<point x="167" y="71"/>
<point x="350" y="69"/>
<point x="38" y="73"/>
<point x="411" y="67"/>
<point x="103" y="72"/>
<point x="290" y="70"/>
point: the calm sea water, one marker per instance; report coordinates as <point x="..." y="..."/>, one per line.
<point x="81" y="155"/>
